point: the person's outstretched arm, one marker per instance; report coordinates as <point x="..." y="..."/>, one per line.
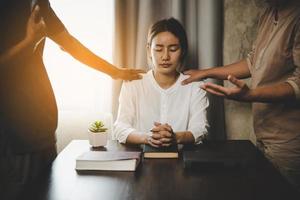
<point x="239" y="70"/>
<point x="84" y="55"/>
<point x="281" y="92"/>
<point x="285" y="91"/>
<point x="56" y="31"/>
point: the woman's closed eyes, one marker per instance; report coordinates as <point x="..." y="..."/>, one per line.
<point x="172" y="48"/>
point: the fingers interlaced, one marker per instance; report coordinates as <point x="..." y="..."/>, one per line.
<point x="153" y="142"/>
<point x="162" y="133"/>
<point x="156" y="135"/>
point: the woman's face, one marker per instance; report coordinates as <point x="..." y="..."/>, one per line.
<point x="165" y="53"/>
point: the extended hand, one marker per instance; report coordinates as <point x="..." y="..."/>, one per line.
<point x="128" y="74"/>
<point x="195" y="75"/>
<point x="240" y="93"/>
<point x="36" y="28"/>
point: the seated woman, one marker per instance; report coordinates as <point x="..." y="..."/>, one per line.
<point x="157" y="109"/>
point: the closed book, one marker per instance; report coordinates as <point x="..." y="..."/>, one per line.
<point x="108" y="160"/>
<point x="160" y="152"/>
<point x="216" y="154"/>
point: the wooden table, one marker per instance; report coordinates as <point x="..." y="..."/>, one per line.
<point x="159" y="179"/>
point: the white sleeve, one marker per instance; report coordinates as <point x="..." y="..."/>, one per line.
<point x="198" y="124"/>
<point x="123" y="126"/>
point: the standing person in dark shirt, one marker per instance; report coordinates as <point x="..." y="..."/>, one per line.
<point x="28" y="112"/>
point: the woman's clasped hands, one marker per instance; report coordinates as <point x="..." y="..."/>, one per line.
<point x="161" y="135"/>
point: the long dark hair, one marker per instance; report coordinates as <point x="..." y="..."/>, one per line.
<point x="173" y="26"/>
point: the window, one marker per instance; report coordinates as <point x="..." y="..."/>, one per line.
<point x="76" y="86"/>
<point x="82" y="94"/>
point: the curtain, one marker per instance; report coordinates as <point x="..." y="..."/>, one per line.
<point x="202" y="20"/>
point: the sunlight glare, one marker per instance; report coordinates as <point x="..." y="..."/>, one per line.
<point x="76" y="86"/>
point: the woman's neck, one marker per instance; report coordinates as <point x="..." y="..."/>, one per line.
<point x="165" y="81"/>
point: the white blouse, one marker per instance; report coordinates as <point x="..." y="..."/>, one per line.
<point x="143" y="102"/>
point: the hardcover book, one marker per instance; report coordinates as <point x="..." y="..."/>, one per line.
<point x="108" y="160"/>
<point x="161" y="152"/>
<point x="216" y="154"/>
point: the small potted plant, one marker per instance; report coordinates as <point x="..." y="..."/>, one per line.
<point x="97" y="134"/>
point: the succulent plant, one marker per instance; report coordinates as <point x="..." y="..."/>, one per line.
<point x="97" y="127"/>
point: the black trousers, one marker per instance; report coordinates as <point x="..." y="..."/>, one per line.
<point x="18" y="171"/>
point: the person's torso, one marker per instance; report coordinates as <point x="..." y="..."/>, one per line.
<point x="272" y="64"/>
<point x="27" y="104"/>
<point x="154" y="104"/>
<point x="273" y="58"/>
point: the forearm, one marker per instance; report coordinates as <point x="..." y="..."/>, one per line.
<point x="239" y="70"/>
<point x="83" y="54"/>
<point x="136" y="138"/>
<point x="18" y="50"/>
<point x="281" y="92"/>
<point x="184" y="137"/>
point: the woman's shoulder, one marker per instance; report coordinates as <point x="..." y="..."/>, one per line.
<point x="195" y="85"/>
<point x="139" y="82"/>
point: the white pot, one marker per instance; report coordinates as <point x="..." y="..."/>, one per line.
<point x="97" y="139"/>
